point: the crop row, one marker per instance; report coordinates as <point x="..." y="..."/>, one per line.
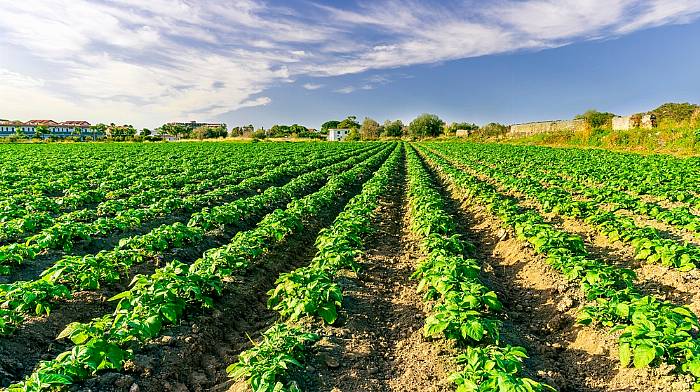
<point x="462" y="308"/>
<point x="661" y="176"/>
<point x="65" y="235"/>
<point x="61" y="170"/>
<point x="76" y="273"/>
<point x="313" y="290"/>
<point x="652" y="331"/>
<point x="600" y="193"/>
<point x="162" y="298"/>
<point x="37" y="217"/>
<point x="647" y="241"/>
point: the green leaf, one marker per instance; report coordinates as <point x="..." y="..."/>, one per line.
<point x="625" y="354"/>
<point x="694" y="367"/>
<point x="169" y="313"/>
<point x="643" y="355"/>
<point x="328" y="312"/>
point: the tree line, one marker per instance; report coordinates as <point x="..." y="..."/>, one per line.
<point x="425" y="125"/>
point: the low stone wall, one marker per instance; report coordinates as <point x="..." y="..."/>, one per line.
<point x="547" y="126"/>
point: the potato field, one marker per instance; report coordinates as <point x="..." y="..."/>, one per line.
<point x="372" y="266"/>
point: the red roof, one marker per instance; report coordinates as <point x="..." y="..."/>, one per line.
<point x="41" y="122"/>
<point x="76" y="123"/>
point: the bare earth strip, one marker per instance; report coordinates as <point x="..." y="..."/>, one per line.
<point x="380" y="345"/>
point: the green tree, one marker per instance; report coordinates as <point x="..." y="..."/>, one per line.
<point x="349" y="123"/>
<point x="426" y="125"/>
<point x="332" y="124"/>
<point x="393" y="128"/>
<point x="98" y="129"/>
<point x="41" y="130"/>
<point x="370" y="129"/>
<point x="353" y="136"/>
<point x="671" y="115"/>
<point x="145" y="132"/>
<point x="455" y="126"/>
<point x="19" y="133"/>
<point x="493" y="129"/>
<point x="596" y="119"/>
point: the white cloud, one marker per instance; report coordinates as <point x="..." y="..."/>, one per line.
<point x="345" y="90"/>
<point x="160" y="60"/>
<point x="312" y="86"/>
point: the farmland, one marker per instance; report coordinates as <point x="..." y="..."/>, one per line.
<point x="368" y="266"/>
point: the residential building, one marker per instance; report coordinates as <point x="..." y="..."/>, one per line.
<point x="53" y="128"/>
<point x="168" y="138"/>
<point x="337" y="135"/>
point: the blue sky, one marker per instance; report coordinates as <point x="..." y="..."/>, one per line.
<point x="305" y="61"/>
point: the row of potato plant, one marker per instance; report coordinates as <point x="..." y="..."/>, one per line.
<point x="663" y="177"/>
<point x="462" y="308"/>
<point x="680" y="217"/>
<point x="313" y="290"/>
<point x="64" y="235"/>
<point x="77" y="273"/>
<point x="647" y="241"/>
<point x="25" y="212"/>
<point x="652" y="331"/>
<point x="162" y="298"/>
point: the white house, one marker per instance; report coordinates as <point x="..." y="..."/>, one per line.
<point x="337" y="135"/>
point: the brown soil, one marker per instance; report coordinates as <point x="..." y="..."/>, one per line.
<point x="379" y="344"/>
<point x="35" y="340"/>
<point x="666" y="230"/>
<point x="540" y="315"/>
<point x="665" y="283"/>
<point x="193" y="355"/>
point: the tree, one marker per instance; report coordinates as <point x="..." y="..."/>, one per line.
<point x="349" y="123"/>
<point x="19" y="133"/>
<point x="200" y="133"/>
<point x="40" y="131"/>
<point x="145" y="132"/>
<point x="353" y="136"/>
<point x="370" y="129"/>
<point x="120" y="132"/>
<point x="393" y="128"/>
<point x="493" y="129"/>
<point x="671" y="115"/>
<point x="426" y="125"/>
<point x="332" y="124"/>
<point x="98" y="128"/>
<point x="596" y="119"/>
<point x="455" y="126"/>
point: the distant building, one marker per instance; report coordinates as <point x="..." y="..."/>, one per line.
<point x="55" y="129"/>
<point x="547" y="126"/>
<point x="337" y="135"/>
<point x="169" y="138"/>
<point x="623" y="123"/>
<point x="195" y="124"/>
<point x="463" y="132"/>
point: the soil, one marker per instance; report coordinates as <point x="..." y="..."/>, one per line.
<point x="540" y="315"/>
<point x="379" y="345"/>
<point x="194" y="355"/>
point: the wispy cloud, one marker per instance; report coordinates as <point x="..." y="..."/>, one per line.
<point x="312" y="86"/>
<point x="148" y="62"/>
<point x="345" y="90"/>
